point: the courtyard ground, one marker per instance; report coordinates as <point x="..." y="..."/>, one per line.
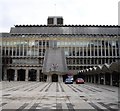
<point x="53" y="95"/>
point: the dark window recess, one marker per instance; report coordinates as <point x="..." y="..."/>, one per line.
<point x="95" y="52"/>
<point x="107" y="54"/>
<point x="50" y="21"/>
<point x="60" y="21"/>
<point x="88" y="53"/>
<point x="92" y="61"/>
<point x="99" y="52"/>
<point x="117" y="52"/>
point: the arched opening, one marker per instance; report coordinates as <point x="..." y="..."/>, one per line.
<point x="115" y="78"/>
<point x="107" y="78"/>
<point x="54" y="78"/>
<point x="21" y="75"/>
<point x="101" y="78"/>
<point x="10" y="74"/>
<point x="32" y="75"/>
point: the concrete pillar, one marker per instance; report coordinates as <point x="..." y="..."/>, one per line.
<point x="49" y="78"/>
<point x="98" y="79"/>
<point x="5" y="74"/>
<point x="88" y="79"/>
<point x="91" y="78"/>
<point x="104" y="81"/>
<point x="26" y="75"/>
<point x="38" y="75"/>
<point x="111" y="83"/>
<point x="94" y="78"/>
<point x="15" y="77"/>
<point x="60" y="78"/>
<point x="119" y="82"/>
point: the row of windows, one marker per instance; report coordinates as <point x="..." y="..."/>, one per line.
<point x="59" y="43"/>
<point x="22" y="61"/>
<point x="68" y="52"/>
<point x="90" y="61"/>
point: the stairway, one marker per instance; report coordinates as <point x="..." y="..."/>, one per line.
<point x="54" y="61"/>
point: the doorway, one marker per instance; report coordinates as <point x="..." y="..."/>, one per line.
<point x="32" y="75"/>
<point x="10" y="74"/>
<point x="21" y="75"/>
<point x="54" y="78"/>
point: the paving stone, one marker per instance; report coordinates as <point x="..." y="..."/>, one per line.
<point x="43" y="95"/>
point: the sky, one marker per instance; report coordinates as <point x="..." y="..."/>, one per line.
<point x="74" y="12"/>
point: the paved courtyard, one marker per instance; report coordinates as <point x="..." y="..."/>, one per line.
<point x="45" y="96"/>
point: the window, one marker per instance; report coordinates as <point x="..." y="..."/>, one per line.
<point x="60" y="21"/>
<point x="50" y="21"/>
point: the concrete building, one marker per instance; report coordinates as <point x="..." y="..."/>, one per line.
<point x="49" y="52"/>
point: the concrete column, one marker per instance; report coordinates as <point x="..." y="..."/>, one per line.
<point x="94" y="78"/>
<point x="15" y="77"/>
<point x="108" y="49"/>
<point x="34" y="50"/>
<point x="94" y="48"/>
<point x="42" y="48"/>
<point x="90" y="50"/>
<point x="5" y="48"/>
<point x="98" y="79"/>
<point x="16" y="50"/>
<point x="111" y="83"/>
<point x="60" y="78"/>
<point x="88" y="79"/>
<point x="23" y="49"/>
<point x="38" y="75"/>
<point x="49" y="78"/>
<point x="38" y="48"/>
<point x="105" y="47"/>
<point x="115" y="51"/>
<point x="26" y="75"/>
<point x="104" y="82"/>
<point x="83" y="51"/>
<point x="31" y="49"/>
<point x="19" y="48"/>
<point x="91" y="78"/>
<point x="97" y="48"/>
<point x="9" y="49"/>
<point x="112" y="49"/>
<point x="101" y="48"/>
<point x="12" y="50"/>
<point x="5" y="74"/>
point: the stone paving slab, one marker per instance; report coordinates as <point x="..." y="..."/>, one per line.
<point x="44" y="96"/>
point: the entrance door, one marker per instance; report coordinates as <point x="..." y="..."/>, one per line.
<point x="54" y="78"/>
<point x="10" y="74"/>
<point x="21" y="75"/>
<point x="32" y="75"/>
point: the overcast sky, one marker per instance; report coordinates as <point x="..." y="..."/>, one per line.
<point x="80" y="12"/>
